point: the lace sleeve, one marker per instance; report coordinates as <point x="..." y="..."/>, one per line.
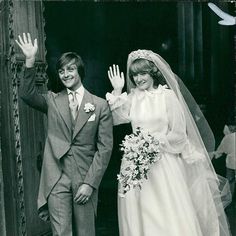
<point x="120" y="107"/>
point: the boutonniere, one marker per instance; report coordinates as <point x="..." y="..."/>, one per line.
<point x="89" y="107"/>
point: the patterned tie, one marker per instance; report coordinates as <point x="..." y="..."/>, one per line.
<point x="73" y="105"/>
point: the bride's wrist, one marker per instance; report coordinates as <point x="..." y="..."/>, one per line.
<point x="117" y="92"/>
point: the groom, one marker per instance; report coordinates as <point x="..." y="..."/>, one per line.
<point x="78" y="144"/>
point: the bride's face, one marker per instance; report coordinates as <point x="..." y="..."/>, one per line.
<point x="143" y="81"/>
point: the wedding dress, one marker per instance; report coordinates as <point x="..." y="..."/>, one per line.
<point x="182" y="195"/>
<point x="164" y="206"/>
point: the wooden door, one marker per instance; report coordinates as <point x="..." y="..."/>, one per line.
<point x="22" y="128"/>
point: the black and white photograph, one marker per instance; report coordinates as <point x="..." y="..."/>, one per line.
<point x="118" y="118"/>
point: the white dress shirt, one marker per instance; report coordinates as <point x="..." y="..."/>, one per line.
<point x="79" y="94"/>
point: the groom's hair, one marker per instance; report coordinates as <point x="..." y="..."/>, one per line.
<point x="67" y="58"/>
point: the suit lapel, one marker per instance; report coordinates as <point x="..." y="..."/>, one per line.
<point x="62" y="103"/>
<point x="82" y="115"/>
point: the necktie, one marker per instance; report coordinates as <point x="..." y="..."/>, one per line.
<point x="73" y="105"/>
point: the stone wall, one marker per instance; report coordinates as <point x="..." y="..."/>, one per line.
<point x="235" y="75"/>
<point x="2" y="213"/>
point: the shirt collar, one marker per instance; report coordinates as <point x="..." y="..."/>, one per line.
<point x="79" y="90"/>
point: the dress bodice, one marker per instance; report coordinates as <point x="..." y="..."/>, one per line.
<point x="148" y="111"/>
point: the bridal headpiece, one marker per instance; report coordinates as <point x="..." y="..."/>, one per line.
<point x="141" y="53"/>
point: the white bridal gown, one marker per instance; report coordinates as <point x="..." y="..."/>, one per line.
<point x="164" y="206"/>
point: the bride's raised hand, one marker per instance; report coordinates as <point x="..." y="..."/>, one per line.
<point x="28" y="48"/>
<point x="116" y="78"/>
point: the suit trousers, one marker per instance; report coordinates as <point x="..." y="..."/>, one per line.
<point x="67" y="217"/>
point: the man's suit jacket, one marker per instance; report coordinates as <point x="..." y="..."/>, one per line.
<point x="90" y="142"/>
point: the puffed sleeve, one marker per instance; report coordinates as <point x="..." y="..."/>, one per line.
<point x="120" y="107"/>
<point x="176" y="137"/>
<point x="176" y="140"/>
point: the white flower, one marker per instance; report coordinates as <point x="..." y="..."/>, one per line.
<point x="89" y="107"/>
<point x="140" y="151"/>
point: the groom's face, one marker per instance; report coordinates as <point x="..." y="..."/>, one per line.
<point x="69" y="76"/>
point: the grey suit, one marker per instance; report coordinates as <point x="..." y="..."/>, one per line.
<point x="75" y="153"/>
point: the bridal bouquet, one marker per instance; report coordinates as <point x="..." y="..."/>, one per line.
<point x="140" y="150"/>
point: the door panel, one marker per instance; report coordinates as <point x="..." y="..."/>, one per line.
<point x="23" y="128"/>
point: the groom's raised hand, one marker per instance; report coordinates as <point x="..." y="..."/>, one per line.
<point x="28" y="48"/>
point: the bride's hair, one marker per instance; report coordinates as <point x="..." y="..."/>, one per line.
<point x="145" y="66"/>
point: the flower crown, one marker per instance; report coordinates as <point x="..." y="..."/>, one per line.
<point x="141" y="53"/>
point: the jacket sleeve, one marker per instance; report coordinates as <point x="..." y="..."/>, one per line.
<point x="104" y="148"/>
<point x="29" y="93"/>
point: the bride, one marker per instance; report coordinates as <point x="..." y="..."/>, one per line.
<point x="180" y="196"/>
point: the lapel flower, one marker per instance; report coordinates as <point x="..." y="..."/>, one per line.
<point x="89" y="107"/>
